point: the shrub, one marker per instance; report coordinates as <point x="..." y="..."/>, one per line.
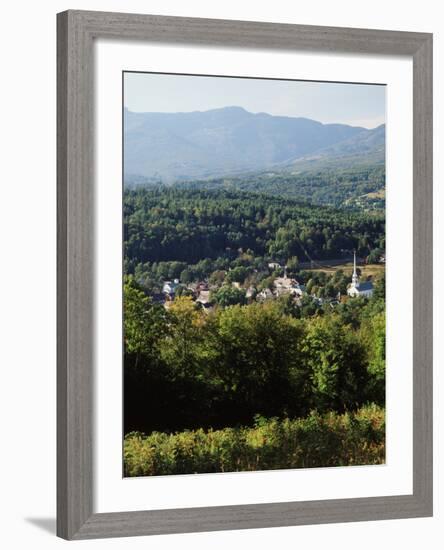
<point x="329" y="439"/>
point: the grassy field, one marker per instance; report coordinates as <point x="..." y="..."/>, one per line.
<point x="376" y="194"/>
<point x="374" y="270"/>
<point x="330" y="439"/>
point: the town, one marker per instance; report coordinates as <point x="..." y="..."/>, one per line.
<point x="206" y="294"/>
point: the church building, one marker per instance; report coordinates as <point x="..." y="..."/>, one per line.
<point x="356" y="288"/>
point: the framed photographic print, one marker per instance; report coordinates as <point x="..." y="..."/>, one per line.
<point x="244" y="275"/>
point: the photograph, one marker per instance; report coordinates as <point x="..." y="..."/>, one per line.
<point x="254" y="259"/>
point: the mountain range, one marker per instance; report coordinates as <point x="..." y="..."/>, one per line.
<point x="171" y="147"/>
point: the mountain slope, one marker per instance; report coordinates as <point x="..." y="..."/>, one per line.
<point x="175" y="146"/>
<point x="365" y="149"/>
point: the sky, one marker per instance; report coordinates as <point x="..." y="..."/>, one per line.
<point x="326" y="102"/>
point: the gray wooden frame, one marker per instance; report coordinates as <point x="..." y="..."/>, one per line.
<point x="76" y="32"/>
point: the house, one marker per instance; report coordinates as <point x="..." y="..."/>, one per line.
<point x="265" y="294"/>
<point x="300" y="290"/>
<point x="274" y="265"/>
<point x="204" y="298"/>
<point x="250" y="293"/>
<point x="285" y="285"/>
<point x="357" y="288"/>
<point x="169" y="288"/>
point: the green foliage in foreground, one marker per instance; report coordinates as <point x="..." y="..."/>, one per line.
<point x="186" y="368"/>
<point x="315" y="441"/>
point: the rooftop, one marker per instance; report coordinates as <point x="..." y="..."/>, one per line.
<point x="366" y="285"/>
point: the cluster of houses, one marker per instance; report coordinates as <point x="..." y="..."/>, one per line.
<point x="282" y="286"/>
<point x="199" y="291"/>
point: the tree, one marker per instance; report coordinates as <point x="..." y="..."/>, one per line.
<point x="145" y="327"/>
<point x="308" y="306"/>
<point x="292" y="264"/>
<point x="144" y="322"/>
<point x="373" y="336"/>
<point x="217" y="277"/>
<point x="182" y="290"/>
<point x="237" y="275"/>
<point x="379" y="290"/>
<point x="181" y="349"/>
<point x="335" y="358"/>
<point x="229" y="296"/>
<point x="185" y="276"/>
<point x="258" y="359"/>
<point x="375" y="254"/>
<point x="309" y="286"/>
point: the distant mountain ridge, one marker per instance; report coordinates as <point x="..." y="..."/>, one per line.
<point x="228" y="141"/>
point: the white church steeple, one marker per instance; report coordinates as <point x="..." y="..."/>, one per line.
<point x="356" y="288"/>
<point x="355" y="278"/>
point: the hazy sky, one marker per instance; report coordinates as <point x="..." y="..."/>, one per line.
<point x="354" y="104"/>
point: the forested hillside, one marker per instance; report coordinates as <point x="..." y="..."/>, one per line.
<point x="339" y="187"/>
<point x="236" y="369"/>
<point x="192" y="234"/>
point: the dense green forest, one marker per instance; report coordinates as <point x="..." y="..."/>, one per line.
<point x="341" y="187"/>
<point x="326" y="186"/>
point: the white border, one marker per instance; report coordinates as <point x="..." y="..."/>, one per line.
<point x="111" y="492"/>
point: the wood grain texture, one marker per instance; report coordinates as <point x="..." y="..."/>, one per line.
<point x="75" y="276"/>
<point x="168" y="29"/>
<point x="253" y="516"/>
<point x="75" y="271"/>
<point x="423" y="273"/>
<point x="62" y="294"/>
